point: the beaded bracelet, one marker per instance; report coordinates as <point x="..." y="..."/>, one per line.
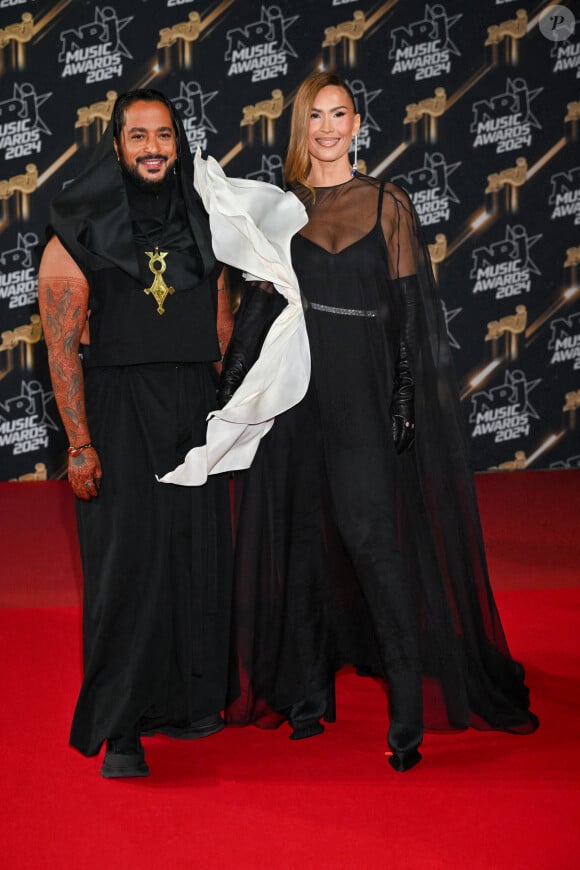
<point x="74" y="451"/>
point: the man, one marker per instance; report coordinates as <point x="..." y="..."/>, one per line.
<point x="129" y="278"/>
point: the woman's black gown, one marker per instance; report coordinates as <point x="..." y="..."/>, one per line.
<point x="347" y="553"/>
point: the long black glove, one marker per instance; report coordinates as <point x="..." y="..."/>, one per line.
<point x="402" y="404"/>
<point x="260" y="306"/>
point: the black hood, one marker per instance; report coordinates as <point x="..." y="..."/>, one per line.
<point x="92" y="218"/>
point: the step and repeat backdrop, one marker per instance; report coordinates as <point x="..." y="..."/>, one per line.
<point x="473" y="108"/>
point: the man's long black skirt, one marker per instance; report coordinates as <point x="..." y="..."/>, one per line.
<point x="156" y="558"/>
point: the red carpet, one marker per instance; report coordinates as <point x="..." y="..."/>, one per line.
<point x="251" y="799"/>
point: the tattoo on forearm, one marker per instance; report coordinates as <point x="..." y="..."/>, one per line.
<point x="70" y="340"/>
<point x="64" y="309"/>
<point x="75" y="386"/>
<point x="72" y="416"/>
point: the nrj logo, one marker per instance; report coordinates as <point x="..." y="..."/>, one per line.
<point x="565" y="195"/>
<point x="261" y="48"/>
<point x="565" y="340"/>
<point x="20" y="123"/>
<point x="190" y="105"/>
<point x="5" y="4"/>
<point x="429" y="188"/>
<point x="504" y="411"/>
<point x="271" y="170"/>
<point x="363" y="98"/>
<point x="95" y="49"/>
<point x="505" y="266"/>
<point x="24" y="421"/>
<point x="506" y="120"/>
<point x="566" y="464"/>
<point x="425" y="46"/>
<point x="17" y="276"/>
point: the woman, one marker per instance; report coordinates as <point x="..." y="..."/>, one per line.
<point x="357" y="530"/>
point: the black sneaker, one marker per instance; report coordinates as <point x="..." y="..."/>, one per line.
<point x="124" y="757"/>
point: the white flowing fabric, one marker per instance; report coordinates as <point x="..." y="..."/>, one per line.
<point x="252" y="224"/>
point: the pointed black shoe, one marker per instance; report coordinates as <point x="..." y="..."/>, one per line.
<point x="307" y="728"/>
<point x="305" y="716"/>
<point x="193" y="730"/>
<point x="124" y="758"/>
<point x="402" y="761"/>
<point x="404" y="741"/>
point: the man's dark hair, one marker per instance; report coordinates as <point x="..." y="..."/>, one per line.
<point x="148" y="95"/>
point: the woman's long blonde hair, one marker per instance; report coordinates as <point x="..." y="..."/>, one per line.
<point x="297" y="165"/>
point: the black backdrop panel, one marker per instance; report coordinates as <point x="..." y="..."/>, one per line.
<point x="473" y="108"/>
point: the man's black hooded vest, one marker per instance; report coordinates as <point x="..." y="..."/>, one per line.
<point x="108" y="224"/>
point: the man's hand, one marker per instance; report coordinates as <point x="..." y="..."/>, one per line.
<point x="84" y="474"/>
<point x="225" y="318"/>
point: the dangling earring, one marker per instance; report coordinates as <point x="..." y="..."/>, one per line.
<point x="355" y="162"/>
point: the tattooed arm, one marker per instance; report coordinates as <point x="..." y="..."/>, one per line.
<point x="225" y="319"/>
<point x="63" y="296"/>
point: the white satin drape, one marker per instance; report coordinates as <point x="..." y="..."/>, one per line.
<point x="252" y="224"/>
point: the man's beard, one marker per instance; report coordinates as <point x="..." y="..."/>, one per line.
<point x="149" y="185"/>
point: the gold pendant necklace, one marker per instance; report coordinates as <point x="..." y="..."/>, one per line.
<point x="159" y="289"/>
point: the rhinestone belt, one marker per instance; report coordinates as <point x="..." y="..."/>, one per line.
<point x="350" y="312"/>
